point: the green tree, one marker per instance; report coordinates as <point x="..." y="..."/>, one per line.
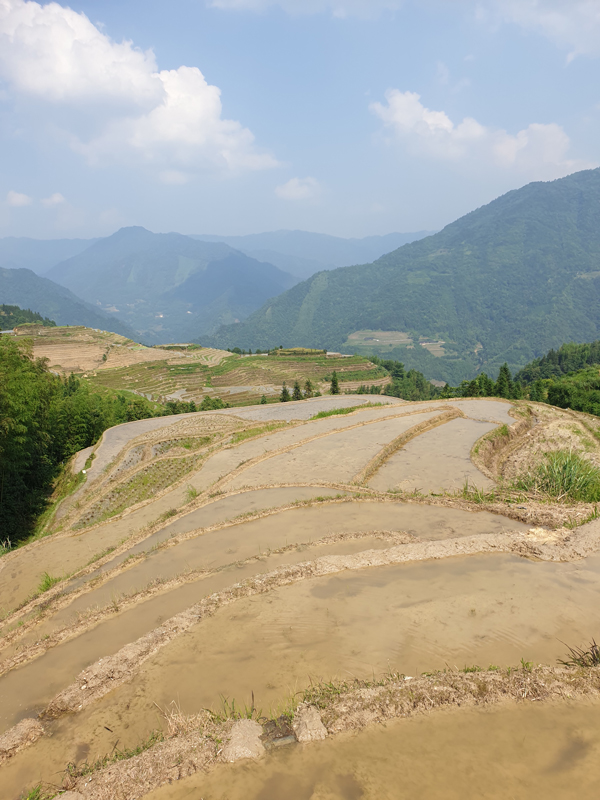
<point x="504" y="385"/>
<point x="285" y="394"/>
<point x="335" y="386"/>
<point x="308" y="388"/>
<point x="263" y="401"/>
<point x="297" y="392"/>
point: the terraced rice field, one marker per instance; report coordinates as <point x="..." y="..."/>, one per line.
<point x="257" y="573"/>
<point x="190" y="372"/>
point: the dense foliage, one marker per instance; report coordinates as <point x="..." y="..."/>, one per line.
<point x="44" y="420"/>
<point x="504" y="283"/>
<point x="11" y="316"/>
<point x="568" y="358"/>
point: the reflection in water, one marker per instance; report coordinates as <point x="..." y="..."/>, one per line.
<point x="513" y="752"/>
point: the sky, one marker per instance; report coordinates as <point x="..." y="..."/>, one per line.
<point x="347" y="117"/>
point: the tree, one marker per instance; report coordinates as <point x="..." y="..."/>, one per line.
<point x="308" y="389"/>
<point x="504" y="385"/>
<point x="263" y="401"/>
<point x="285" y="394"/>
<point x="335" y="386"/>
<point x="297" y="393"/>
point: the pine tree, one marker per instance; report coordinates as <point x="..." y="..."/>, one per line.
<point x="263" y="401"/>
<point x="297" y="393"/>
<point x="335" y="386"/>
<point x="285" y="394"/>
<point x="308" y="389"/>
<point x="504" y="385"/>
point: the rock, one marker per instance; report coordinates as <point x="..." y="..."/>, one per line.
<point x="244" y="741"/>
<point x="22" y="735"/>
<point x="307" y="725"/>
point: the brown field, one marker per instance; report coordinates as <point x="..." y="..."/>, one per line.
<point x="253" y="564"/>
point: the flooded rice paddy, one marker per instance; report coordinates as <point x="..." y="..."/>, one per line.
<point x="515" y="752"/>
<point x="256" y="510"/>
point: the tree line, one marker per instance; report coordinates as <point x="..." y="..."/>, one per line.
<point x="44" y="420"/>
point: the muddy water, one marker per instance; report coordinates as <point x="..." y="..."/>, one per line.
<point x="411" y="617"/>
<point x="515" y="752"/>
<point x="27" y="689"/>
<point x="437" y="460"/>
<point x="337" y="457"/>
<point x="215" y="549"/>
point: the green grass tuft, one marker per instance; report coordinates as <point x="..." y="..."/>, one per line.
<point x="47" y="582"/>
<point x="578" y="657"/>
<point x="564" y="475"/>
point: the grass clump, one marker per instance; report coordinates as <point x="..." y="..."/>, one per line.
<point x="81" y="770"/>
<point x="564" y="475"/>
<point x="334" y="412"/>
<point x="579" y="657"/>
<point x="47" y="582"/>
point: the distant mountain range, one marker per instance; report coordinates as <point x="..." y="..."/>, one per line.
<point x="22" y="287"/>
<point x="504" y="283"/>
<point x="303" y="253"/>
<point x="39" y="254"/>
<point x="170" y="287"/>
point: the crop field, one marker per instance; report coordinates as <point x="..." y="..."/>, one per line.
<point x="225" y="584"/>
<point x="191" y="372"/>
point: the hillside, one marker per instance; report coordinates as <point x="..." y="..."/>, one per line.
<point x="189" y="372"/>
<point x="169" y="287"/>
<point x="38" y="255"/>
<point x="303" y="253"/>
<point x="504" y="283"/>
<point x="22" y="287"/>
<point x="11" y="316"/>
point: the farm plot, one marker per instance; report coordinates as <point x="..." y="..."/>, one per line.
<point x="205" y="593"/>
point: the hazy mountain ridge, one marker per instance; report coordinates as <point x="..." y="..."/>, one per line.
<point x="503" y="283"/>
<point x="39" y="255"/>
<point x="168" y="286"/>
<point x="22" y="287"/>
<point x="304" y="253"/>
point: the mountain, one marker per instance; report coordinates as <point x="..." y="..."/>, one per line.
<point x="167" y="286"/>
<point x="504" y="283"/>
<point x="303" y="253"/>
<point x="39" y="254"/>
<point x="22" y="287"/>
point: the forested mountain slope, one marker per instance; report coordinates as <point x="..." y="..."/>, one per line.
<point x="504" y="283"/>
<point x="22" y="287"/>
<point x="170" y="287"/>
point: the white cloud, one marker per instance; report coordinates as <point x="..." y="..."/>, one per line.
<point x="572" y="24"/>
<point x="58" y="58"/>
<point x="299" y="189"/>
<point x="55" y="199"/>
<point x="173" y="177"/>
<point x="539" y="150"/>
<point x="338" y="8"/>
<point x="17" y="199"/>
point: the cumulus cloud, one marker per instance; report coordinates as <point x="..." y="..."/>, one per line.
<point x="17" y="199"/>
<point x="299" y="189"/>
<point x="338" y="8"/>
<point x="572" y="24"/>
<point x="58" y="58"/>
<point x="55" y="199"/>
<point x="539" y="150"/>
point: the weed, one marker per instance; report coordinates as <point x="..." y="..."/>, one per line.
<point x="578" y="657"/>
<point x="191" y="493"/>
<point x="38" y="793"/>
<point x="473" y="668"/>
<point x="526" y="666"/>
<point x="5" y="546"/>
<point x="47" y="582"/>
<point x="229" y="710"/>
<point x="333" y="412"/>
<point x="166" y="514"/>
<point x="74" y="771"/>
<point x="564" y="475"/>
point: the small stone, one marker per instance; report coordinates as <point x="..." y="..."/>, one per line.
<point x="244" y="741"/>
<point x="307" y="725"/>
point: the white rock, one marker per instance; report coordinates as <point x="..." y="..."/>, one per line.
<point x="307" y="725"/>
<point x="244" y="741"/>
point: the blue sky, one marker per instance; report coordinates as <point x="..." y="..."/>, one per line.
<point x="349" y="117"/>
